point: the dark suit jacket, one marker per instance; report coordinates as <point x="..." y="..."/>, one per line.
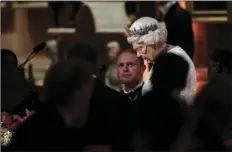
<point x="109" y="118"/>
<point x="179" y="26"/>
<point x="45" y="130"/>
<point x="161" y="118"/>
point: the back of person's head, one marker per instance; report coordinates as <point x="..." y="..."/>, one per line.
<point x="223" y="58"/>
<point x="83" y="51"/>
<point x="170" y="72"/>
<point x="65" y="80"/>
<point x="8" y="58"/>
<point x="86" y="52"/>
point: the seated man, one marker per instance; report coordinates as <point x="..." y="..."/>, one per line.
<point x="67" y="90"/>
<point x="130" y="70"/>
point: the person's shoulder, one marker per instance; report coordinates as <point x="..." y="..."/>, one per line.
<point x="217" y="89"/>
<point x="106" y="95"/>
<point x="177" y="50"/>
<point x="100" y="87"/>
<point x="182" y="12"/>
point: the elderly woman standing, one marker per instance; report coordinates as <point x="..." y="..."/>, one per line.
<point x="148" y="37"/>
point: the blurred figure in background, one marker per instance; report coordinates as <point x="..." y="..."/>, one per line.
<point x="57" y="6"/>
<point x="52" y="49"/>
<point x="214" y="104"/>
<point x="67" y="91"/>
<point x="75" y="7"/>
<point x="211" y="118"/>
<point x="179" y="25"/>
<point x="131" y="8"/>
<point x="111" y="78"/>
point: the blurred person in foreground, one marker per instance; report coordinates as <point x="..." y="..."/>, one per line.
<point x="18" y="99"/>
<point x="162" y="112"/>
<point x="211" y="117"/>
<point x="13" y="84"/>
<point x="179" y="25"/>
<point x="108" y="126"/>
<point x="67" y="90"/>
<point x="148" y="37"/>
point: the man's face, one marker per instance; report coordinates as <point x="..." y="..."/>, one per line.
<point x="147" y="52"/>
<point x="129" y="68"/>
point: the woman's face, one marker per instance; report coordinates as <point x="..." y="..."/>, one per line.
<point x="148" y="52"/>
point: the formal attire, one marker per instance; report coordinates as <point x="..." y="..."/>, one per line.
<point x="189" y="91"/>
<point x="133" y="94"/>
<point x="109" y="118"/>
<point x="46" y="130"/>
<point x="179" y="26"/>
<point x="160" y="120"/>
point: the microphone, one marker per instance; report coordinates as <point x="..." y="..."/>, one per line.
<point x="39" y="47"/>
<point x="36" y="49"/>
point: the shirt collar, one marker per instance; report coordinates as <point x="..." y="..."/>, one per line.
<point x="136" y="87"/>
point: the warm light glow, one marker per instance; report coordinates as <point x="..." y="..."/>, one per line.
<point x="61" y="30"/>
<point x="146" y="72"/>
<point x="182" y="4"/>
<point x="195" y="27"/>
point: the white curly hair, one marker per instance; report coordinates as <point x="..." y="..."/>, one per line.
<point x="147" y="30"/>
